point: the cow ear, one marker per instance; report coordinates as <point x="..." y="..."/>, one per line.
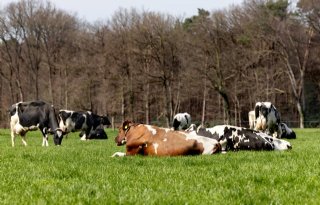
<point x="126" y="125"/>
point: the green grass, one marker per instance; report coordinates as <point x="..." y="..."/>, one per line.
<point x="84" y="173"/>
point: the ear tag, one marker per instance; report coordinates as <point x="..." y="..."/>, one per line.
<point x="126" y="127"/>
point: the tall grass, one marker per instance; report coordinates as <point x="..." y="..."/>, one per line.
<point x="82" y="172"/>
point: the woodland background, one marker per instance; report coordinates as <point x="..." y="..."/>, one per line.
<point x="147" y="66"/>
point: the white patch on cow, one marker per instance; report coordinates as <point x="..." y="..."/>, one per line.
<point x="89" y="112"/>
<point x="119" y="154"/>
<point x="280" y="144"/>
<point x="84" y="137"/>
<point x="207" y="143"/>
<point x="69" y="126"/>
<point x="167" y="130"/>
<point x="184" y="119"/>
<point x="165" y="139"/>
<point x="219" y="130"/>
<point x="68" y="111"/>
<point x="59" y="133"/>
<point x="151" y="129"/>
<point x="155" y="146"/>
<point x="267" y="104"/>
<point x="45" y="141"/>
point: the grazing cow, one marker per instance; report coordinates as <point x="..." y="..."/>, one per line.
<point x="151" y="140"/>
<point x="252" y="119"/>
<point x="98" y="133"/>
<point x="181" y="121"/>
<point x="286" y="132"/>
<point x="72" y="121"/>
<point x="267" y="118"/>
<point x="29" y="116"/>
<point x="238" y="138"/>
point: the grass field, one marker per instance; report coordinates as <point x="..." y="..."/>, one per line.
<point x="82" y="172"/>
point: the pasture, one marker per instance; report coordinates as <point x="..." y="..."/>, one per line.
<point x="82" y="172"/>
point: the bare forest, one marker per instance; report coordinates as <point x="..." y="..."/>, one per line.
<point x="147" y="66"/>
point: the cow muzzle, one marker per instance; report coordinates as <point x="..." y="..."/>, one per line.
<point x="121" y="142"/>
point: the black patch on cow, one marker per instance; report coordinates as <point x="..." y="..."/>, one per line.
<point x="204" y="132"/>
<point x="99" y="133"/>
<point x="244" y="139"/>
<point x="176" y="124"/>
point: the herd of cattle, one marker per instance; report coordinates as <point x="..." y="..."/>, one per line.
<point x="28" y="116"/>
<point x="184" y="138"/>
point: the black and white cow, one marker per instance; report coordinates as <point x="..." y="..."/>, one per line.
<point x="267" y="118"/>
<point x="181" y="121"/>
<point x="72" y="121"/>
<point x="98" y="133"/>
<point x="286" y="132"/>
<point x="29" y="116"/>
<point x="239" y="138"/>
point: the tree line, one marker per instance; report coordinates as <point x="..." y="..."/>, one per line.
<point x="147" y="66"/>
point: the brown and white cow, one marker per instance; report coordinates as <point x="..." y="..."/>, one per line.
<point x="142" y="139"/>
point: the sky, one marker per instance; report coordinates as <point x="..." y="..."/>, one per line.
<point x="93" y="10"/>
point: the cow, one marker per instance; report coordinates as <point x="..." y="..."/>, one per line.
<point x="181" y="121"/>
<point x="98" y="133"/>
<point x="142" y="139"/>
<point x="238" y="138"/>
<point x="252" y="119"/>
<point x="286" y="132"/>
<point x="33" y="115"/>
<point x="72" y="121"/>
<point x="267" y="118"/>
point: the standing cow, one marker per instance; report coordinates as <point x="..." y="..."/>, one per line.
<point x="72" y="121"/>
<point x="181" y="121"/>
<point x="29" y="116"/>
<point x="267" y="118"/>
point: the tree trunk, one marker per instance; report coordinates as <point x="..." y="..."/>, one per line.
<point x="168" y="100"/>
<point x="301" y="114"/>
<point x="204" y="102"/>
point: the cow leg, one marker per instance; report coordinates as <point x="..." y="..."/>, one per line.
<point x="12" y="137"/>
<point x="45" y="142"/>
<point x="23" y="137"/>
<point x="85" y="134"/>
<point x="119" y="154"/>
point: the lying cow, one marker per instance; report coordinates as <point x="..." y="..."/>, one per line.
<point x="286" y="132"/>
<point x="29" y="116"/>
<point x="238" y="138"/>
<point x="267" y="118"/>
<point x="98" y="133"/>
<point x="72" y="121"/>
<point x="181" y="121"/>
<point x="151" y="140"/>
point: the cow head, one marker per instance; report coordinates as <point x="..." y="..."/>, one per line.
<point x="57" y="136"/>
<point x="286" y="132"/>
<point x="121" y="138"/>
<point x="105" y="120"/>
